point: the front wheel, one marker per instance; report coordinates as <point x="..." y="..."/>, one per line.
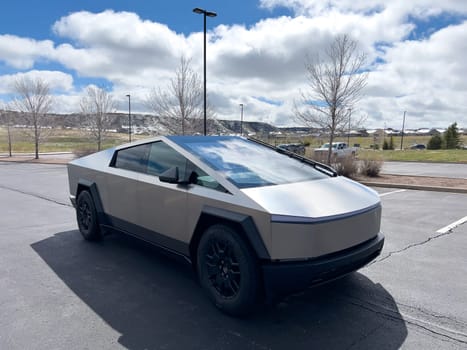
<point x="228" y="270"/>
<point x="86" y="215"/>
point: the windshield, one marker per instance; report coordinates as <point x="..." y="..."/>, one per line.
<point x="248" y="164"/>
<point x="326" y="145"/>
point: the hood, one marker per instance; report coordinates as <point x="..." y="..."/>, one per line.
<point x="315" y="199"/>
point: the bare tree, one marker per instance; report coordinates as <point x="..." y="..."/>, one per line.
<point x="180" y="105"/>
<point x="95" y="107"/>
<point x="33" y="99"/>
<point x="335" y="84"/>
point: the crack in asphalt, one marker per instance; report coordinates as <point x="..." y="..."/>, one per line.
<point x="431" y="238"/>
<point x="397" y="316"/>
<point x="35" y="195"/>
<point x="433" y="315"/>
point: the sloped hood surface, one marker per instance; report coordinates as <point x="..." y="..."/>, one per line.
<point x="314" y="199"/>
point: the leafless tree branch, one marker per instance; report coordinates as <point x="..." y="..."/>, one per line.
<point x="95" y="107"/>
<point x="33" y="99"/>
<point x="335" y="84"/>
<point x="180" y="105"/>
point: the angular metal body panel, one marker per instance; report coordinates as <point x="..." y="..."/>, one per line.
<point x="314" y="199"/>
<point x="200" y="198"/>
<point x="292" y="241"/>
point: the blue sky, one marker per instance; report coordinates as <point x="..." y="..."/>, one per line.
<point x="177" y="14"/>
<point x="256" y="52"/>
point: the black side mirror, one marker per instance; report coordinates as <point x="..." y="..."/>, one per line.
<point x="170" y="176"/>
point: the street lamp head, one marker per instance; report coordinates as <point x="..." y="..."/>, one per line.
<point x="206" y="13"/>
<point x="128" y="95"/>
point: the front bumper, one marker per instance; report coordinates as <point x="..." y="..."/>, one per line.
<point x="286" y="277"/>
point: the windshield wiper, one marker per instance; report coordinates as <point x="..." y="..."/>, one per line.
<point x="324" y="168"/>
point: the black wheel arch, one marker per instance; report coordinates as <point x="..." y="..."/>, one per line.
<point x="91" y="187"/>
<point x="241" y="223"/>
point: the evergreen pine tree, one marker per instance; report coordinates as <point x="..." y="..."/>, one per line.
<point x="452" y="138"/>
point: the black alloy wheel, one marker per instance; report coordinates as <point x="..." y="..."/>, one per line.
<point x="86" y="216"/>
<point x="228" y="270"/>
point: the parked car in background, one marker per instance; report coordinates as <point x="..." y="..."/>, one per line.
<point x="338" y="150"/>
<point x="254" y="221"/>
<point x="418" y="146"/>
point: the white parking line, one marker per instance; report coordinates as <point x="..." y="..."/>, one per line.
<point x="392" y="192"/>
<point x="453" y="225"/>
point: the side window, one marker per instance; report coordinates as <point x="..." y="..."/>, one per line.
<point x="163" y="157"/>
<point x="133" y="158"/>
<point x="200" y="178"/>
<point x="157" y="157"/>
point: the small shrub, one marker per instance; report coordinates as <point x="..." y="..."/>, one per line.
<point x="371" y="167"/>
<point x="385" y="145"/>
<point x="321" y="157"/>
<point x="346" y="166"/>
<point x="435" y="142"/>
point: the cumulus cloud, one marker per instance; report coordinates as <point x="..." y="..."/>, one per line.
<point x="22" y="53"/>
<point x="425" y="77"/>
<point x="58" y="81"/>
<point x="419" y="8"/>
<point x="115" y="44"/>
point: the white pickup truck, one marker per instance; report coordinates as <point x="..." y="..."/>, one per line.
<point x="339" y="150"/>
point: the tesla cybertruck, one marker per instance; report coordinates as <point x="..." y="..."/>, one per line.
<point x="255" y="221"/>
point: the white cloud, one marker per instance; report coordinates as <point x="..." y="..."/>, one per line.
<point x="423" y="77"/>
<point x="21" y="53"/>
<point x="58" y="81"/>
<point x="116" y="44"/>
<point x="419" y="8"/>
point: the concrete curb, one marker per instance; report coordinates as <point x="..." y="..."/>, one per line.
<point x="415" y="187"/>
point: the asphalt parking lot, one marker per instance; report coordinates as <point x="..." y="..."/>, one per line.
<point x="60" y="292"/>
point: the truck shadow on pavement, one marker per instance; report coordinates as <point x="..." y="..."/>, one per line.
<point x="154" y="302"/>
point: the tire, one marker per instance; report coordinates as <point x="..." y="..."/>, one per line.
<point x="228" y="271"/>
<point x="86" y="215"/>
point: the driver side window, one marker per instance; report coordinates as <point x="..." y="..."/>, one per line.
<point x="162" y="157"/>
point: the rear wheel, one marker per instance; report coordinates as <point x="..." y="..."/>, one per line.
<point x="86" y="216"/>
<point x="228" y="270"/>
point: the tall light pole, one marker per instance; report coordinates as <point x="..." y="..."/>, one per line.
<point x="348" y="135"/>
<point x="384" y="132"/>
<point x="402" y="135"/>
<point x="129" y="117"/>
<point x="208" y="14"/>
<point x="241" y="119"/>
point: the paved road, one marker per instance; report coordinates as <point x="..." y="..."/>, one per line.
<point x="426" y="169"/>
<point x="60" y="292"/>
